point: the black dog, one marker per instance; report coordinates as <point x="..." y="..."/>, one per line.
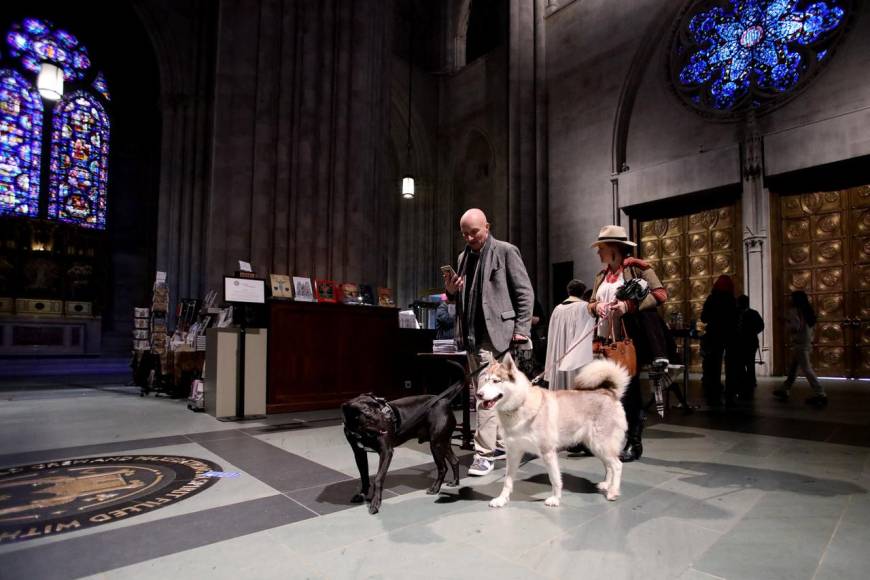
<point x="373" y="424"/>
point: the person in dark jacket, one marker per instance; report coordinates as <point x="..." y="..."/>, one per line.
<point x="720" y="319"/>
<point x="445" y="319"/>
<point x="749" y="326"/>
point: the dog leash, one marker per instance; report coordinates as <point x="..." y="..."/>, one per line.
<point x="449" y="393"/>
<point x="574" y="345"/>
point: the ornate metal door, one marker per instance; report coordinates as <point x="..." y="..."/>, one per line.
<point x="825" y="251"/>
<point x="688" y="253"/>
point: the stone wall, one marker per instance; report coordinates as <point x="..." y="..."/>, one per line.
<point x="609" y="103"/>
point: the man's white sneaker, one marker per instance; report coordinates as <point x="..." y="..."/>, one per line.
<point x="480" y="466"/>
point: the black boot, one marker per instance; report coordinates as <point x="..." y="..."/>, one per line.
<point x="633" y="442"/>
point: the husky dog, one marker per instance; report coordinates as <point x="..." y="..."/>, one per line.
<point x="543" y="422"/>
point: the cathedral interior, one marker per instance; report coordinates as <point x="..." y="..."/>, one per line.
<point x="151" y="151"/>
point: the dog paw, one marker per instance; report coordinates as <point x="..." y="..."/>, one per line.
<point x="433" y="490"/>
<point x="498" y="502"/>
<point x="552" y="501"/>
<point x="603" y="486"/>
<point x="453" y="483"/>
<point x="374" y="507"/>
<point x="358" y="498"/>
<point x="611" y="496"/>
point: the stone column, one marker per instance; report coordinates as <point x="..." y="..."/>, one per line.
<point x="527" y="184"/>
<point x="757" y="265"/>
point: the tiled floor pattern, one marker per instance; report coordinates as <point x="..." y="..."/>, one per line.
<point x="764" y="492"/>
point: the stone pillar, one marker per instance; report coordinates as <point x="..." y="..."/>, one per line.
<point x="757" y="265"/>
<point x="527" y="184"/>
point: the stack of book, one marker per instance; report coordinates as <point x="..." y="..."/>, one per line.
<point x="443" y="346"/>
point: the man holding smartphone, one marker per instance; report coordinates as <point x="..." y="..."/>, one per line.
<point x="492" y="287"/>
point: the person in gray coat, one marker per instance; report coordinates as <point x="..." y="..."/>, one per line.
<point x="496" y="299"/>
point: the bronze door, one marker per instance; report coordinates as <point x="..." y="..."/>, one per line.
<point x="859" y="224"/>
<point x="825" y="251"/>
<point x="688" y="253"/>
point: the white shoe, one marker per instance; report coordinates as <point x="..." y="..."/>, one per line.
<point x="480" y="466"/>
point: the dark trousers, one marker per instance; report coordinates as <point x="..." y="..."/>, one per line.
<point x="714" y="351"/>
<point x="651" y="341"/>
<point x="746" y="371"/>
<point x="632" y="402"/>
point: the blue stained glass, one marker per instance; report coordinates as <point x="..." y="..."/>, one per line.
<point x="20" y="138"/>
<point x="745" y="53"/>
<point x="101" y="87"/>
<point x="36" y="41"/>
<point x="79" y="161"/>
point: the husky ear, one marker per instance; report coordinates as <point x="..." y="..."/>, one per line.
<point x="508" y="363"/>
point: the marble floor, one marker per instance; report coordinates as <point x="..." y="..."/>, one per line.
<point x="765" y="491"/>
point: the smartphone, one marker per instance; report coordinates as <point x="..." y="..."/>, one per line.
<point x="448" y="270"/>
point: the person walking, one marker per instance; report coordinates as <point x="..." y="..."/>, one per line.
<point x="799" y="324"/>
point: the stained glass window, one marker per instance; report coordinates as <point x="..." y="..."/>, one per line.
<point x="37" y="41"/>
<point x="20" y="144"/>
<point x="729" y="56"/>
<point x="100" y="86"/>
<point x="79" y="161"/>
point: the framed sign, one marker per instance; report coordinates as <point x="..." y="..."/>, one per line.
<point x="325" y="290"/>
<point x="302" y="289"/>
<point x="282" y="287"/>
<point x="247" y="290"/>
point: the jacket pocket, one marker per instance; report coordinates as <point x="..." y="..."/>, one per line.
<point x="508" y="315"/>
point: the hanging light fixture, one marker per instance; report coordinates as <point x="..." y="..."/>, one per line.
<point x="408" y="181"/>
<point x="50" y="82"/>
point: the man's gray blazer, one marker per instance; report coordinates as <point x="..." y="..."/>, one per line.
<point x="508" y="297"/>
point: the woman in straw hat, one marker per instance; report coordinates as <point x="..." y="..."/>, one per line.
<point x="642" y="323"/>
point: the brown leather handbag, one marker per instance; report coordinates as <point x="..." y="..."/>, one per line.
<point x="621" y="351"/>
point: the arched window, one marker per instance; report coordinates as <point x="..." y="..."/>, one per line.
<point x="732" y="56"/>
<point x="79" y="161"/>
<point x="77" y="153"/>
<point x="20" y="144"/>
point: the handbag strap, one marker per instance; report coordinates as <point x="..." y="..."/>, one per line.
<point x="613" y="330"/>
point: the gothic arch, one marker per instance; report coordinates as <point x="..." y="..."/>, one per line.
<point x="655" y="33"/>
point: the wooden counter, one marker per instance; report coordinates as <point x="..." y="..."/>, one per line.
<point x="322" y="354"/>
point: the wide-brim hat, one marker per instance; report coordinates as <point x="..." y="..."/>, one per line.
<point x="613" y="235"/>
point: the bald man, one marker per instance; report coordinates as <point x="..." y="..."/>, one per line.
<point x="496" y="296"/>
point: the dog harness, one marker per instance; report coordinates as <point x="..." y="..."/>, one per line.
<point x="387" y="410"/>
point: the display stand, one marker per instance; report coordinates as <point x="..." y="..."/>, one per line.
<point x="241" y="293"/>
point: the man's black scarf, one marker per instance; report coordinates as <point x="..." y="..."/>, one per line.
<point x="471" y="297"/>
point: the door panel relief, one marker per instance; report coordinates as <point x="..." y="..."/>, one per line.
<point x="688" y="253"/>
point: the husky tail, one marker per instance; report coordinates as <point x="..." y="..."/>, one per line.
<point x="602" y="374"/>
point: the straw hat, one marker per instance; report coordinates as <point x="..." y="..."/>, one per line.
<point x="613" y="235"/>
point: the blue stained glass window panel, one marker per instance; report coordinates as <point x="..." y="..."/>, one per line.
<point x="20" y="145"/>
<point x="36" y="41"/>
<point x="79" y="161"/>
<point x="742" y="53"/>
<point x="101" y="87"/>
